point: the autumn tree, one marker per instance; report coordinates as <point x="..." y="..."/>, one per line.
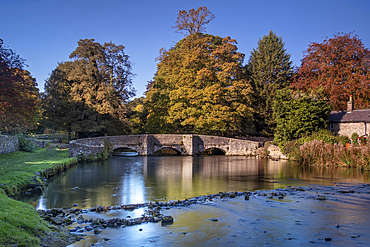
<point x="298" y="114"/>
<point x="19" y="96"/>
<point x="199" y="88"/>
<point x="340" y="66"/>
<point x="88" y="93"/>
<point x="58" y="107"/>
<point x="193" y="21"/>
<point x="270" y="70"/>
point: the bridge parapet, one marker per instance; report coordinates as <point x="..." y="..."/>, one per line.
<point x="148" y="144"/>
<point x="231" y="146"/>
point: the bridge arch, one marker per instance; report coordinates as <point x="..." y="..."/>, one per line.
<point x="214" y="151"/>
<point x="148" y="144"/>
<point x="124" y="151"/>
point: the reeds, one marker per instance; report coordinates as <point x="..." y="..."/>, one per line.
<point x="318" y="153"/>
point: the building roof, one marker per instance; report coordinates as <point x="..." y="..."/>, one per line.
<point x="350" y="117"/>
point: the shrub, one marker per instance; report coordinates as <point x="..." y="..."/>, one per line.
<point x="293" y="150"/>
<point x="343" y="139"/>
<point x="263" y="152"/>
<point x="354" y="139"/>
<point x="107" y="149"/>
<point x="363" y="140"/>
<point x="322" y="135"/>
<point x="26" y="144"/>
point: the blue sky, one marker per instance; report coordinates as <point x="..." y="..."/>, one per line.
<point x="45" y="32"/>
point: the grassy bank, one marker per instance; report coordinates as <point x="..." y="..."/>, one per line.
<point x="20" y="224"/>
<point x="20" y="169"/>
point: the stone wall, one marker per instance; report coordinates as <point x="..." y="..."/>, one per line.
<point x="8" y="144"/>
<point x="40" y="143"/>
<point x="347" y="129"/>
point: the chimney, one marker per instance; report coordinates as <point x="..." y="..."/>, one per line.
<point x="350" y="105"/>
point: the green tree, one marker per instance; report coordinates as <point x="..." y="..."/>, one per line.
<point x="157" y="104"/>
<point x="88" y="94"/>
<point x="19" y="96"/>
<point x="200" y="88"/>
<point x="270" y="69"/>
<point x="138" y="116"/>
<point x="298" y="114"/>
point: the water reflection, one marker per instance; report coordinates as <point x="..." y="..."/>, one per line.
<point x="125" y="180"/>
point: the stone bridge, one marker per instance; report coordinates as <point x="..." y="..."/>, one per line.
<point x="149" y="144"/>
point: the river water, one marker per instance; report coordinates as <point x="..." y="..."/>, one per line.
<point x="295" y="220"/>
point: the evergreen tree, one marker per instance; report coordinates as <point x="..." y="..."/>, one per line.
<point x="270" y="69"/>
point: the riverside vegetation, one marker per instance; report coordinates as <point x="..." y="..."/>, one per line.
<point x="323" y="148"/>
<point x="19" y="172"/>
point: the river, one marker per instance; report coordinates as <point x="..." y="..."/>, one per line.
<point x="294" y="220"/>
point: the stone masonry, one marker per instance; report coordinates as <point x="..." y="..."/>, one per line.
<point x="8" y="144"/>
<point x="149" y="144"/>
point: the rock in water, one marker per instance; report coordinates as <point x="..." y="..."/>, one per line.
<point x="80" y="219"/>
<point x="167" y="220"/>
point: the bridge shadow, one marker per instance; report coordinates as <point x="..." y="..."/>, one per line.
<point x="213" y="151"/>
<point x="167" y="152"/>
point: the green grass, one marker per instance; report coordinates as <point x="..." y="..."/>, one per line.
<point x="20" y="224"/>
<point x="18" y="168"/>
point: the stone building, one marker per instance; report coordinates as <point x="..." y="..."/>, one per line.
<point x="345" y="123"/>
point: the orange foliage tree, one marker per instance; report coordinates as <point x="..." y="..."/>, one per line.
<point x="19" y="96"/>
<point x="340" y="66"/>
<point x="200" y="88"/>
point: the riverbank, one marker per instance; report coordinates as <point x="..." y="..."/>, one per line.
<point x="23" y="172"/>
